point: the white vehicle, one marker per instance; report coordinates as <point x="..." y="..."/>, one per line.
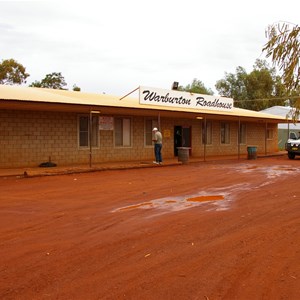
<point x="292" y="146"/>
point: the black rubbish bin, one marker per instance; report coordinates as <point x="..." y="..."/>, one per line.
<point x="252" y="152"/>
<point x="183" y="154"/>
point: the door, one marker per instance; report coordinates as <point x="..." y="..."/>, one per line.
<point x="182" y="138"/>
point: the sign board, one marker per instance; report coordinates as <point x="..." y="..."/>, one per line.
<point x="106" y="123"/>
<point x="172" y="98"/>
<point x="167" y="133"/>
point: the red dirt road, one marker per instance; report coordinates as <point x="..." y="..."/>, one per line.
<point x="214" y="230"/>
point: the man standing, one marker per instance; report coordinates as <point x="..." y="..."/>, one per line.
<point x="157" y="146"/>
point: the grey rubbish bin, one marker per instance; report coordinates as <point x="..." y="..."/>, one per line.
<point x="183" y="154"/>
<point x="252" y="152"/>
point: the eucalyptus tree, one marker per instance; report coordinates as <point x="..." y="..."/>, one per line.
<point x="257" y="90"/>
<point x="51" y="81"/>
<point x="283" y="47"/>
<point x="197" y="86"/>
<point x="12" y="72"/>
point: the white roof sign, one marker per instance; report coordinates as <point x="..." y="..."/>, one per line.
<point x="162" y="97"/>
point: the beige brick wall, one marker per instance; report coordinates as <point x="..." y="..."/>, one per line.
<point x="255" y="136"/>
<point x="30" y="138"/>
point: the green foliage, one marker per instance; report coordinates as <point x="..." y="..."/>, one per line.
<point x="259" y="89"/>
<point x="233" y="85"/>
<point x="196" y="87"/>
<point x="76" y="88"/>
<point x="51" y="81"/>
<point x="284" y="49"/>
<point x="36" y="84"/>
<point x="11" y="72"/>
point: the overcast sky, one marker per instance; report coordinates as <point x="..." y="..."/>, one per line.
<point x="114" y="46"/>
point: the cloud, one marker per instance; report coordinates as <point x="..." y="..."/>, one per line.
<point x="114" y="46"/>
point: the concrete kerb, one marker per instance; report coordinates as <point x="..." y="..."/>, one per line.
<point x="67" y="170"/>
<point x="54" y="171"/>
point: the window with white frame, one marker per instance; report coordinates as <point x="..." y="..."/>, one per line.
<point x="225" y="133"/>
<point x="122" y="130"/>
<point x="207" y="133"/>
<point x="243" y="134"/>
<point x="270" y="133"/>
<point x="84" y="131"/>
<point x="149" y="125"/>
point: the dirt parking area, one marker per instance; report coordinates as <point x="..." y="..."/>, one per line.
<point x="211" y="230"/>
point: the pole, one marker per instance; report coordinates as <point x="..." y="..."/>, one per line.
<point x="266" y="137"/>
<point x="159" y="122"/>
<point x="90" y="136"/>
<point x="239" y="138"/>
<point x="91" y="131"/>
<point x="205" y="139"/>
<point x="129" y="93"/>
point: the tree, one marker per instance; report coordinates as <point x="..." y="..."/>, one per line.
<point x="51" y="81"/>
<point x="196" y="87"/>
<point x="260" y="84"/>
<point x="76" y="88"/>
<point x="284" y="49"/>
<point x="233" y="85"/>
<point x="11" y="72"/>
<point x="254" y="90"/>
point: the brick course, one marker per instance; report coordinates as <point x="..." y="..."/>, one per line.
<point x="28" y="138"/>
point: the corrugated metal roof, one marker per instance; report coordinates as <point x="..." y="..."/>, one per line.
<point x="282" y="111"/>
<point x="277" y="110"/>
<point x="41" y="95"/>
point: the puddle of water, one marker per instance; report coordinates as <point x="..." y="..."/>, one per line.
<point x="205" y="198"/>
<point x="141" y="205"/>
<point x="252" y="167"/>
<point x="284" y="169"/>
<point x="170" y="201"/>
<point x="179" y="203"/>
<point x="212" y="199"/>
<point x="271" y="172"/>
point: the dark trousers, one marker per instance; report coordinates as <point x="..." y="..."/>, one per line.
<point x="157" y="152"/>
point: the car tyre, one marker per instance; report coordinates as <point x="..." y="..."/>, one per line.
<point x="291" y="155"/>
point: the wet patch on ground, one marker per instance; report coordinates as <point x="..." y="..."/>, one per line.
<point x="205" y="198"/>
<point x="218" y="201"/>
<point x="270" y="172"/>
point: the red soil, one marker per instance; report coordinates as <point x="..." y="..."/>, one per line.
<point x="149" y="234"/>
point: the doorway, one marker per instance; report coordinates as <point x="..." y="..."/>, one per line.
<point x="182" y="138"/>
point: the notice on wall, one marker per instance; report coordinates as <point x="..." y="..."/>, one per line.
<point x="167" y="133"/>
<point x="174" y="98"/>
<point x="106" y="123"/>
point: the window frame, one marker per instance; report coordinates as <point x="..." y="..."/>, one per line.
<point x="270" y="133"/>
<point x="148" y="131"/>
<point x="208" y="134"/>
<point x="226" y="132"/>
<point x="123" y="134"/>
<point x="243" y="134"/>
<point x="95" y="131"/>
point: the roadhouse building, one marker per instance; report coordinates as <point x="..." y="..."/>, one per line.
<point x="38" y="125"/>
